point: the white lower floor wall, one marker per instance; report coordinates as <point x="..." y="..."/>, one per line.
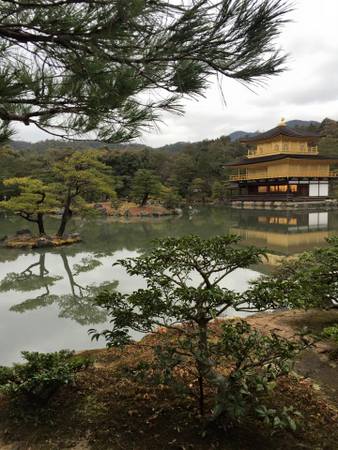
<point x="318" y="219"/>
<point x="318" y="188"/>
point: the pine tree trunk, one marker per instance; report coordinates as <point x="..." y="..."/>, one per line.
<point x="41" y="224"/>
<point x="65" y="216"/>
<point x="145" y="199"/>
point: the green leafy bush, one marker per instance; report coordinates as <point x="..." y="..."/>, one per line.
<point x="256" y="362"/>
<point x="41" y="375"/>
<point x="183" y="297"/>
<point x="331" y="332"/>
<point x="309" y="281"/>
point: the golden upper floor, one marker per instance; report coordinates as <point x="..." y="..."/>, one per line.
<point x="285" y="167"/>
<point x="283" y="146"/>
<point x="282" y="139"/>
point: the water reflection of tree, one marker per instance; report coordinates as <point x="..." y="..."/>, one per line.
<point x="77" y="305"/>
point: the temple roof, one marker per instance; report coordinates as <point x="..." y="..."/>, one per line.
<point x="260" y="159"/>
<point x="281" y="130"/>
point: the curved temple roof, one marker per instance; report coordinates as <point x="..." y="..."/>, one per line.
<point x="260" y="159"/>
<point x="281" y="130"/>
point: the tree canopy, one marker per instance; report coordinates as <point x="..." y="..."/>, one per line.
<point x="308" y="281"/>
<point x="107" y="68"/>
<point x="145" y="184"/>
<point x="34" y="200"/>
<point x="80" y="175"/>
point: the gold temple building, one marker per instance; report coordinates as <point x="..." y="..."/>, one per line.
<point x="282" y="164"/>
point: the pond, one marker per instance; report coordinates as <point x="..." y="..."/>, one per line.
<point x="46" y="295"/>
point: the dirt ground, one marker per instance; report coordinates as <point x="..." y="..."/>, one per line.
<point x="114" y="405"/>
<point x="316" y="363"/>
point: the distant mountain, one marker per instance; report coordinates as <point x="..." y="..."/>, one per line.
<point x="73" y="145"/>
<point x="327" y="127"/>
<point x="175" y="147"/>
<point x="237" y="135"/>
<point x="305" y="124"/>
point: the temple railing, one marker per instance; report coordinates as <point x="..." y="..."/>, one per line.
<point x="307" y="151"/>
<point x="258" y="176"/>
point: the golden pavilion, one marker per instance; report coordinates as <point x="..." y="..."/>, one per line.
<point x="282" y="164"/>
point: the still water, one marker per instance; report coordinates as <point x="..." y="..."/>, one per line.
<point x="46" y="295"/>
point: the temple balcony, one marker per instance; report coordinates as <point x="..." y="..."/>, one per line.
<point x="264" y="175"/>
<point x="246" y="176"/>
<point x="292" y="151"/>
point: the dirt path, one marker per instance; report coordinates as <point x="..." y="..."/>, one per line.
<point x="315" y="363"/>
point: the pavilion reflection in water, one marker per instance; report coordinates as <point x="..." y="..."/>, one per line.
<point x="284" y="232"/>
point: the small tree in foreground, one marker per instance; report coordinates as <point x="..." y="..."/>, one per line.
<point x="184" y="294"/>
<point x="34" y="200"/>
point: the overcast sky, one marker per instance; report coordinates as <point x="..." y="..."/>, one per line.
<point x="308" y="90"/>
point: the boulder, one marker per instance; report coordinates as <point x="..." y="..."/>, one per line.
<point x="42" y="242"/>
<point x="23" y="232"/>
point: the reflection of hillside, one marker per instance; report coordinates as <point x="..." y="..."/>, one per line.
<point x="77" y="305"/>
<point x="274" y="229"/>
<point x="104" y="236"/>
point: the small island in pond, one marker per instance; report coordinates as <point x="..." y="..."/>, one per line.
<point x="25" y="239"/>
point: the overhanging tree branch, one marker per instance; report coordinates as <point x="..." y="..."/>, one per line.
<point x="78" y="68"/>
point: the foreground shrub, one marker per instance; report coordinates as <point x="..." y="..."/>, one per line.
<point x="331" y="332"/>
<point x="41" y="375"/>
<point x="184" y="295"/>
<point x="308" y="281"/>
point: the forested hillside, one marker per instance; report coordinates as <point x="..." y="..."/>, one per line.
<point x="189" y="170"/>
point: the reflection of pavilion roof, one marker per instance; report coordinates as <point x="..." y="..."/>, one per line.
<point x="281" y="243"/>
<point x="281" y="130"/>
<point x="276" y="157"/>
<point x="283" y="232"/>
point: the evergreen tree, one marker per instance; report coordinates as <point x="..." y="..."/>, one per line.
<point x="80" y="68"/>
<point x="219" y="191"/>
<point x="34" y="200"/>
<point x="170" y="197"/>
<point x="80" y="175"/>
<point x="198" y="189"/>
<point x="145" y="184"/>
